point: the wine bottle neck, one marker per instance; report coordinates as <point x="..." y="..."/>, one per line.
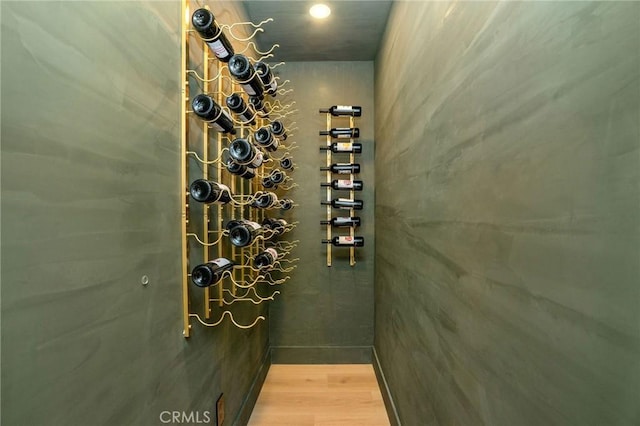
<point x="325" y="203"/>
<point x="324" y="222"/>
<point x="325" y="110"/>
<point x="325" y="184"/>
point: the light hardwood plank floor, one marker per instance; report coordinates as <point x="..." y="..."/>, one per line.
<point x="320" y="395"/>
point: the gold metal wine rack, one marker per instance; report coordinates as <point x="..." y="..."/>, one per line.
<point x="203" y="149"/>
<point x="352" y="252"/>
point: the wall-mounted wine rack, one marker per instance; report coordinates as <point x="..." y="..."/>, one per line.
<point x="341" y="148"/>
<point x="205" y="147"/>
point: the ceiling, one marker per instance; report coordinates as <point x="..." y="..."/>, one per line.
<point x="351" y="33"/>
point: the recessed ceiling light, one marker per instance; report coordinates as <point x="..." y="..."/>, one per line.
<point x="320" y="11"/>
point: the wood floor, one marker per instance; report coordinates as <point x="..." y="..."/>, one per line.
<point x="320" y="395"/>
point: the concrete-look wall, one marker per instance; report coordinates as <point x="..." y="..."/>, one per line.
<point x="90" y="204"/>
<point x="508" y="212"/>
<point x="326" y="314"/>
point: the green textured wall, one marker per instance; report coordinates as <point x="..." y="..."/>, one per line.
<point x="508" y="212"/>
<point x="90" y="204"/>
<point x="326" y="314"/>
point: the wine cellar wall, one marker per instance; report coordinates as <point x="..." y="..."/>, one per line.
<point x="236" y="171"/>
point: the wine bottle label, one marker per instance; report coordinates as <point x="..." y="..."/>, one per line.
<point x="344" y="172"/>
<point x="343" y="108"/>
<point x="346" y="203"/>
<point x="347" y="241"/>
<point x="254" y="225"/>
<point x="257" y="160"/>
<point x="247" y="88"/>
<point x="342" y="136"/>
<point x="340" y="221"/>
<point x="345" y="184"/>
<point x="221" y="262"/>
<point x="273" y="253"/>
<point x="218" y="49"/>
<point x="344" y="147"/>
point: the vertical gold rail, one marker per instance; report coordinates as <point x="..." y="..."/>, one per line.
<point x="241" y="209"/>
<point x="183" y="165"/>
<point x="352" y="249"/>
<point x="219" y="176"/>
<point x="328" y="177"/>
<point x="256" y="215"/>
<point x="234" y="249"/>
<point x="205" y="171"/>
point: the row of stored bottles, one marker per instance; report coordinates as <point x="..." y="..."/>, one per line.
<point x="345" y="145"/>
<point x="209" y="192"/>
<point x="240" y="168"/>
<point x="242" y="233"/>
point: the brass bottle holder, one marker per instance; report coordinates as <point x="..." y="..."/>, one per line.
<point x="240" y="284"/>
<point x="352" y="252"/>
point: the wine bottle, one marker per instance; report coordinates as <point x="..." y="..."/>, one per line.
<point x="259" y="106"/>
<point x="232" y="223"/>
<point x="240" y="169"/>
<point x="355" y="185"/>
<point x="337" y="147"/>
<point x="276" y="225"/>
<point x="240" y="68"/>
<point x="244" y="153"/>
<point x="206" y="108"/>
<point x="342" y="222"/>
<point x="278" y="130"/>
<point x="344" y="203"/>
<point x="342" y="132"/>
<point x="207" y="191"/>
<point x="241" y="108"/>
<point x="286" y="204"/>
<point x="209" y="273"/>
<point x="343" y="168"/>
<point x="205" y="24"/>
<point x="277" y="176"/>
<point x="264" y="200"/>
<point x="346" y="241"/>
<point x="286" y="163"/>
<point x="267" y="183"/>
<point x="337" y="110"/>
<point x="265" y="139"/>
<point x="265" y="259"/>
<point x="267" y="78"/>
<point x="244" y="232"/>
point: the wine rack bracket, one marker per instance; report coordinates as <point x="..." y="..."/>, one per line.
<point x="239" y="284"/>
<point x="328" y="180"/>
